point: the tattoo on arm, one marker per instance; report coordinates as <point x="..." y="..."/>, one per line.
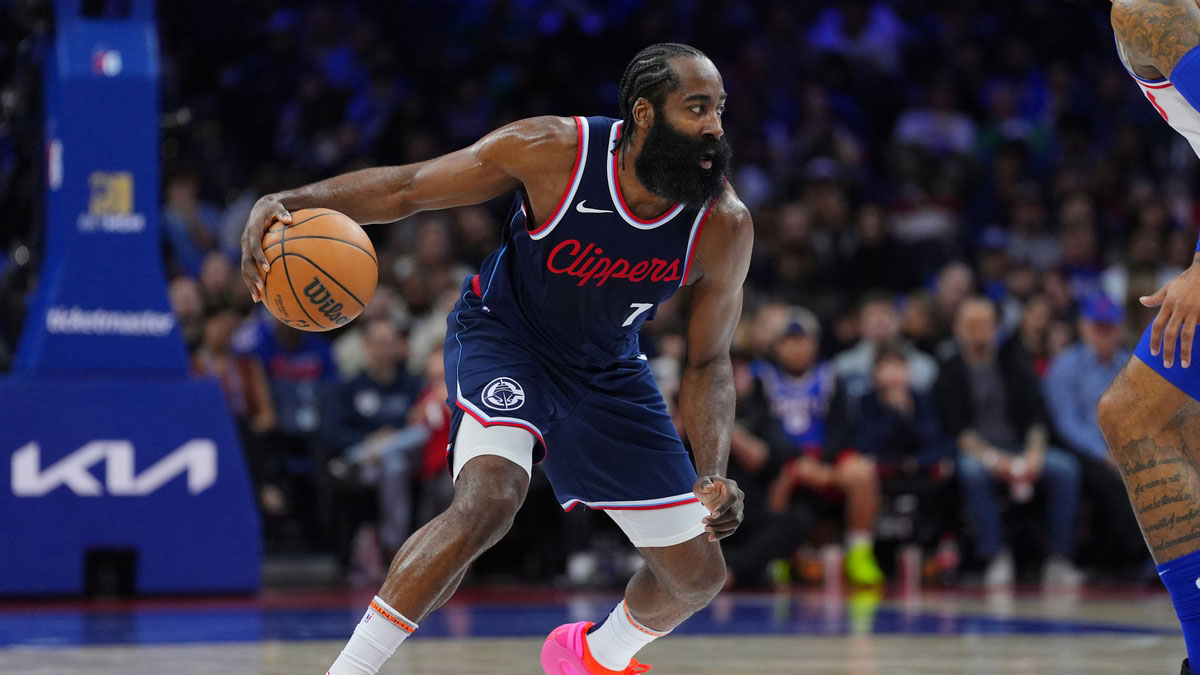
<point x="1157" y="32"/>
<point x="1191" y="536"/>
<point x="1137" y="466"/>
<point x="1159" y="502"/>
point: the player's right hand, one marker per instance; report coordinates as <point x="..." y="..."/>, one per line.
<point x="725" y="503"/>
<point x="1179" y="312"/>
<point x="254" y="262"/>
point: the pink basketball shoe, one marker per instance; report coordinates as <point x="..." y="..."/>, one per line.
<point x="566" y="653"/>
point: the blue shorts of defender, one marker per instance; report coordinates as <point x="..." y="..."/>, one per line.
<point x="1186" y="380"/>
<point x="604" y="438"/>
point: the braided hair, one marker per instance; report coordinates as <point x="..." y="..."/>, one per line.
<point x="649" y="75"/>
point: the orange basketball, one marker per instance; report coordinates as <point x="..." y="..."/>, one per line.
<point x="323" y="270"/>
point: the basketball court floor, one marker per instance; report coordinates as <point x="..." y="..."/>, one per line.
<point x="500" y="633"/>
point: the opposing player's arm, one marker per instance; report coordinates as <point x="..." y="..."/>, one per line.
<point x="706" y="396"/>
<point x="527" y="150"/>
<point x="1156" y="33"/>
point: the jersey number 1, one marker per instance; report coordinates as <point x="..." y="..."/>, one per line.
<point x="638" y="308"/>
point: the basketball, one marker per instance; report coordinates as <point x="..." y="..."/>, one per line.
<point x="323" y="270"/>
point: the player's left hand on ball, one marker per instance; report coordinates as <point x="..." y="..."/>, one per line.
<point x="723" y="499"/>
<point x="1179" y="312"/>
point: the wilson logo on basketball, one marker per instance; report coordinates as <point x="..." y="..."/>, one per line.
<point x="320" y="297"/>
<point x="503" y="393"/>
<point x="588" y="263"/>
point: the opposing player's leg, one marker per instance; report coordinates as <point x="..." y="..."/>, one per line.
<point x="491" y="468"/>
<point x="1153" y="431"/>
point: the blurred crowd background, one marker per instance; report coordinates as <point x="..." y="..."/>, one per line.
<point x="956" y="207"/>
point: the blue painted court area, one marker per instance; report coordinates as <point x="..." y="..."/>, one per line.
<point x="733" y="615"/>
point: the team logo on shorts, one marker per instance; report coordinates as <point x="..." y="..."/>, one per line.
<point x="503" y="393"/>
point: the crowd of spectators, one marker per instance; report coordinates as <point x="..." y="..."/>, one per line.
<point x="956" y="206"/>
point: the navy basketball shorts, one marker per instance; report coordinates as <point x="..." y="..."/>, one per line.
<point x="604" y="438"/>
<point x="1186" y="380"/>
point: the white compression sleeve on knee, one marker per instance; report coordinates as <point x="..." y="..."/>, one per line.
<point x="375" y="639"/>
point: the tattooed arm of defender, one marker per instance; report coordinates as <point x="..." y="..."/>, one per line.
<point x="1156" y="33"/>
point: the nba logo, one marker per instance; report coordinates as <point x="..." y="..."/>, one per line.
<point x="503" y="393"/>
<point x="107" y="62"/>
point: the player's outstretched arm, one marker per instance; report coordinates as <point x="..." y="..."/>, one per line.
<point x="706" y="396"/>
<point x="500" y="161"/>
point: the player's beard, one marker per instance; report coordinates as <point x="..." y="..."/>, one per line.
<point x="669" y="164"/>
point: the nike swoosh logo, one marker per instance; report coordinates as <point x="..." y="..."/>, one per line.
<point x="584" y="209"/>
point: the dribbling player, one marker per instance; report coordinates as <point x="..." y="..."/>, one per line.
<point x="1150" y="415"/>
<point x="542" y="362"/>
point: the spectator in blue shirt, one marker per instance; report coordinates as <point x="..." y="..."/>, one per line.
<point x="1073" y="385"/>
<point x="300" y="367"/>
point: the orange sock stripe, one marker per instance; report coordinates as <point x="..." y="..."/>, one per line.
<point x="637" y="625"/>
<point x="400" y="623"/>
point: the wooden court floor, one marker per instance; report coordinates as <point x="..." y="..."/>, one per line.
<point x="951" y="633"/>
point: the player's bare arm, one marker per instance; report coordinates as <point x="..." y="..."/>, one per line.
<point x="707" y="395"/>
<point x="535" y="153"/>
<point x="1156" y="34"/>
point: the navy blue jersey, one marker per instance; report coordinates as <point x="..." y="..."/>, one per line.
<point x="579" y="285"/>
<point x="544" y="338"/>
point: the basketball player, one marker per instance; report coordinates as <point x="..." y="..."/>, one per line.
<point x="1150" y="415"/>
<point x="542" y="362"/>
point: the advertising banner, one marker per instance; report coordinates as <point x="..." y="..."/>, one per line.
<point x="108" y="465"/>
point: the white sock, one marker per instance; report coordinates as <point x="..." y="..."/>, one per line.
<point x="375" y="639"/>
<point x="858" y="537"/>
<point x="615" y="642"/>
